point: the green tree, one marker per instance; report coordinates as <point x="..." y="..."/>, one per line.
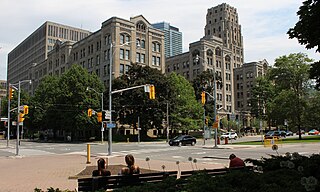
<point x="61" y="103"/>
<point x="307" y="31"/>
<point x="262" y="99"/>
<point x="131" y="104"/>
<point x="291" y="77"/>
<point x="187" y="112"/>
<point x="312" y="113"/>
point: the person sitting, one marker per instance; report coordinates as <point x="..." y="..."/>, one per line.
<point x="131" y="168"/>
<point x="102" y="168"/>
<point x="235" y="161"/>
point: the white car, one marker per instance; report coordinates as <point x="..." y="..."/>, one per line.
<point x="229" y="135"/>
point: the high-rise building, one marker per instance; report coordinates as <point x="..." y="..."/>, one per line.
<point x="172" y="38"/>
<point x="132" y="41"/>
<point x="222" y="21"/>
<point x="34" y="49"/>
<point x="220" y="51"/>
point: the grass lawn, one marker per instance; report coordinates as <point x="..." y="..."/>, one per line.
<point x="309" y="139"/>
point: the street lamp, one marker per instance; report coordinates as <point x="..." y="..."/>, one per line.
<point x="110" y="91"/>
<point x="18" y="111"/>
<point x="102" y="129"/>
<point x="214" y="99"/>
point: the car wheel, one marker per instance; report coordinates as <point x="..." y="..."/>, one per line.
<point x="180" y="144"/>
<point x="193" y="143"/>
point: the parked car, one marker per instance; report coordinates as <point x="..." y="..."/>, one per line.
<point x="229" y="135"/>
<point x="289" y="133"/>
<point x="313" y="132"/>
<point x="302" y="132"/>
<point x="183" y="140"/>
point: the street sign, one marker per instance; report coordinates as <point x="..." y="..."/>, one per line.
<point x="107" y="115"/>
<point x="4" y="119"/>
<point x="111" y="125"/>
<point x="216" y="125"/>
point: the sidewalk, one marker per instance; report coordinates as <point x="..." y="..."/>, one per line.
<point x="27" y="173"/>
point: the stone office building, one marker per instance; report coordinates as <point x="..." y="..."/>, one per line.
<point x="35" y="48"/>
<point x="133" y="41"/>
<point x="220" y="50"/>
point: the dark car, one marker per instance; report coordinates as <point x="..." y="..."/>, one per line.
<point x="183" y="140"/>
<point x="272" y="134"/>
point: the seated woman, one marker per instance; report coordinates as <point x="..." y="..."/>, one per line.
<point x="131" y="168"/>
<point x="102" y="168"/>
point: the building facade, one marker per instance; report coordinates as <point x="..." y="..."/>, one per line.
<point x="220" y="50"/>
<point x="35" y="48"/>
<point x="132" y="41"/>
<point x="172" y="38"/>
<point x="244" y="78"/>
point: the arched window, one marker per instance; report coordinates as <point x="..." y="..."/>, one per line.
<point x="218" y="51"/>
<point x="140" y="26"/>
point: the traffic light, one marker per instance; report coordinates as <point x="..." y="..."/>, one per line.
<point x="11" y="90"/>
<point x="89" y="112"/>
<point x="203" y="97"/>
<point x="99" y="116"/>
<point x="152" y="93"/>
<point x="25" y="109"/>
<point x="21" y="117"/>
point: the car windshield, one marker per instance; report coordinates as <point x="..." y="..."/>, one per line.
<point x="178" y="137"/>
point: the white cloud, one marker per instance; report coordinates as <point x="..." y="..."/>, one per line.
<point x="264" y="23"/>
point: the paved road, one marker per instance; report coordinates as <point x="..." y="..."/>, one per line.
<point x="160" y="150"/>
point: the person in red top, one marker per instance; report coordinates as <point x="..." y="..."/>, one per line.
<point x="235" y="161"/>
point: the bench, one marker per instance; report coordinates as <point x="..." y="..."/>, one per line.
<point x="119" y="181"/>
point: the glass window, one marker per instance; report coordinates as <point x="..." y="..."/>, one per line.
<point x="153" y="60"/>
<point x="127" y="38"/>
<point x="121" y="68"/>
<point x="127" y="54"/>
<point x="158" y="47"/>
<point x="126" y="69"/>
<point x="158" y="61"/>
<point x="142" y="58"/>
<point x="121" y="53"/>
<point x="121" y="39"/>
<point x="138" y="57"/>
<point x="143" y="44"/>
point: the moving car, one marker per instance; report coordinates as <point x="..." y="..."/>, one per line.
<point x="229" y="135"/>
<point x="272" y="134"/>
<point x="313" y="132"/>
<point x="183" y="140"/>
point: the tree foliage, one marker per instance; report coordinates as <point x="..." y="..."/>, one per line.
<point x="307" y="31"/>
<point x="291" y="78"/>
<point x="61" y="103"/>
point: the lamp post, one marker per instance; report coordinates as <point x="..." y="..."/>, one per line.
<point x="18" y="114"/>
<point x="102" y="129"/>
<point x="9" y="101"/>
<point x="110" y="91"/>
<point x="214" y="99"/>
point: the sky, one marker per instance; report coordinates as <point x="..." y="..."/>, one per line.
<point x="264" y="24"/>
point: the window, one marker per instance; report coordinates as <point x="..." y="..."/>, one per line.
<point x="121" y="53"/>
<point x="121" y="69"/>
<point x="98" y="59"/>
<point x="127" y="54"/>
<point x="153" y="60"/>
<point x="126" y="69"/>
<point x="153" y="46"/>
<point x="121" y="39"/>
<point x="143" y="44"/>
<point x="142" y="58"/>
<point x="127" y="38"/>
<point x="158" y="47"/>
<point x="138" y="59"/>
<point x="158" y="61"/>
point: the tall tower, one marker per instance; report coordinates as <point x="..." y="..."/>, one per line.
<point x="222" y="21"/>
<point x="172" y="38"/>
